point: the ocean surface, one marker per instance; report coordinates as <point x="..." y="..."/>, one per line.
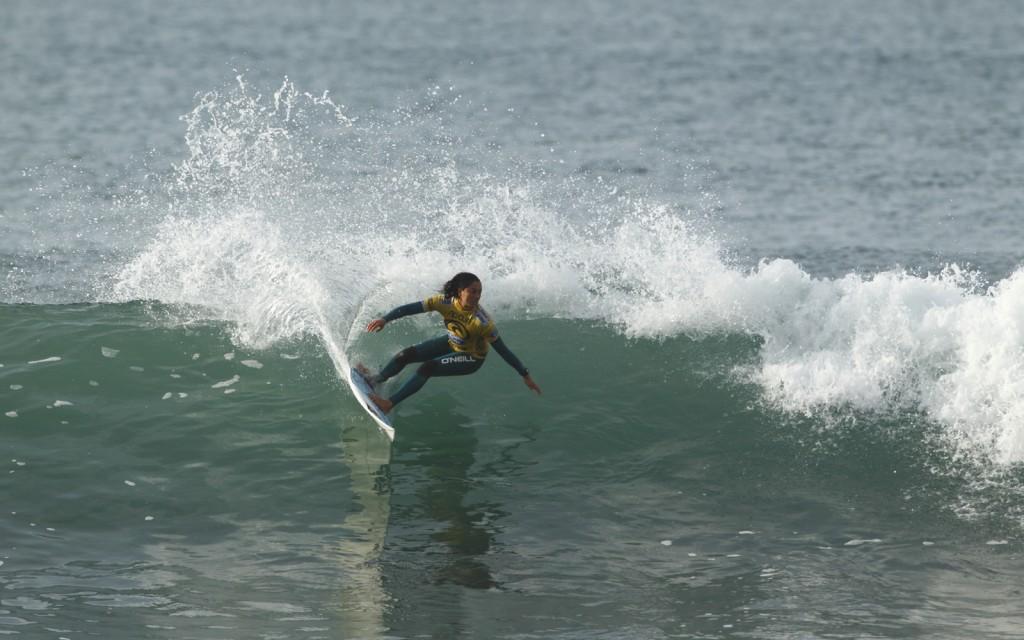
<point x="764" y="259"/>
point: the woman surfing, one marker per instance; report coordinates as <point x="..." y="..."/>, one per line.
<point x="471" y="332"/>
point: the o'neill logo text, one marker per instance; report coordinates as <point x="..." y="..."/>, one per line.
<point x="453" y="359"/>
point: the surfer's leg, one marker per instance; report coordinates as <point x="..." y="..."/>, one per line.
<point x="450" y="364"/>
<point x="421" y="352"/>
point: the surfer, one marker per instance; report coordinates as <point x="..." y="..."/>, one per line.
<point x="471" y="332"/>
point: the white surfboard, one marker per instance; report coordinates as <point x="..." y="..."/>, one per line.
<point x="361" y="390"/>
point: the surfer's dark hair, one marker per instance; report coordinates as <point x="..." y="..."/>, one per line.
<point x="458" y="282"/>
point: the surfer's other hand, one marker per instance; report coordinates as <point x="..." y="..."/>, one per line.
<point x="376" y="325"/>
<point x="533" y="385"/>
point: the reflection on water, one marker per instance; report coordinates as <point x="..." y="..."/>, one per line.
<point x="445" y="457"/>
<point x="363" y="597"/>
<point x="416" y="549"/>
<point x="444" y="524"/>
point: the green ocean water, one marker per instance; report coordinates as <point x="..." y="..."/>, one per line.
<point x="161" y="482"/>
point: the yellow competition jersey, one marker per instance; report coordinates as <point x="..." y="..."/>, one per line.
<point x="468" y="332"/>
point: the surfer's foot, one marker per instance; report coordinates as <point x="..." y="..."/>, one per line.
<point x="368" y="375"/>
<point x="383" y="404"/>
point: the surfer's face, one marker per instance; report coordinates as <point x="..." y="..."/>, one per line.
<point x="470" y="296"/>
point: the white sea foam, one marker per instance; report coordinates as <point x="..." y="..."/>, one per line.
<point x="226" y="383"/>
<point x="892" y="339"/>
<point x="856" y="542"/>
<point x="235" y="268"/>
<point x="46" y="360"/>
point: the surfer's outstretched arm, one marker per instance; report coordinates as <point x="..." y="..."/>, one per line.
<point x="509" y="357"/>
<point x="398" y="312"/>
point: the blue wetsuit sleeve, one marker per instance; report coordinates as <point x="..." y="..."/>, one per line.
<point x="509" y="357"/>
<point x="404" y="310"/>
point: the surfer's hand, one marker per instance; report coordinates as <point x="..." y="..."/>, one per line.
<point x="533" y="385"/>
<point x="376" y="325"/>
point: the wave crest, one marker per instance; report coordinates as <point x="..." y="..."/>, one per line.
<point x="288" y="216"/>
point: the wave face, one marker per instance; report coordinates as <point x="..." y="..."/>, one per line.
<point x="288" y="217"/>
<point x="164" y="469"/>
